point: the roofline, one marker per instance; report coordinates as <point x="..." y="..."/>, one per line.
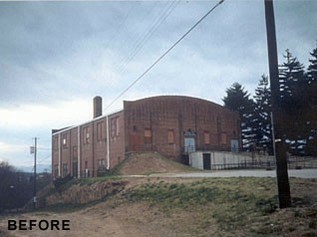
<point x="81" y="124"/>
<point x="176" y="96"/>
<point x="133" y="101"/>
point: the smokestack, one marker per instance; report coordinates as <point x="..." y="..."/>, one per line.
<point x="97" y="106"/>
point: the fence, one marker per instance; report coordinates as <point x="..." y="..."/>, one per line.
<point x="227" y="160"/>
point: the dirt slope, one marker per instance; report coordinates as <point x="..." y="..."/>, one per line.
<point x="150" y="162"/>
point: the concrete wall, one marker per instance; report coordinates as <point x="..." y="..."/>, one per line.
<point x="228" y="160"/>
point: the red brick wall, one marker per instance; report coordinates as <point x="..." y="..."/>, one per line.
<point x="99" y="145"/>
<point x="152" y="124"/>
<point x="178" y="114"/>
<point x="62" y="148"/>
<point x="117" y="138"/>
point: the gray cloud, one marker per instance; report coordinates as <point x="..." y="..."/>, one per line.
<point x="54" y="52"/>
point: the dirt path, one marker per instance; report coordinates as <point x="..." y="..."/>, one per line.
<point x="99" y="220"/>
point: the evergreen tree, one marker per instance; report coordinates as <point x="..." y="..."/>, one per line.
<point x="293" y="102"/>
<point x="262" y="113"/>
<point x="312" y="68"/>
<point x="237" y="99"/>
<point x="292" y="82"/>
<point x="311" y="105"/>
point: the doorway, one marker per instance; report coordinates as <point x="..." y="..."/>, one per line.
<point x="206" y="161"/>
<point x="190" y="145"/>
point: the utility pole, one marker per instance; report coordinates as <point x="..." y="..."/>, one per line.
<point x="34" y="151"/>
<point x="278" y="142"/>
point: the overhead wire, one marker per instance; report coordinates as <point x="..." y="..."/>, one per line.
<point x="134" y="37"/>
<point x="141" y="43"/>
<point x="164" y="54"/>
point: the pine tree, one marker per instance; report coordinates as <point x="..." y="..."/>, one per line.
<point x="292" y="82"/>
<point x="312" y="68"/>
<point x="237" y="99"/>
<point x="311" y="105"/>
<point x="293" y="100"/>
<point x="262" y="113"/>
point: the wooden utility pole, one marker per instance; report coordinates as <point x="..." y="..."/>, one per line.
<point x="34" y="151"/>
<point x="280" y="152"/>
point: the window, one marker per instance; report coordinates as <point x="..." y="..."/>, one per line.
<point x="223" y="138"/>
<point x="86" y="135"/>
<point x="207" y="138"/>
<point x="218" y="125"/>
<point x="147" y="135"/>
<point x="65" y="169"/>
<point x="170" y="136"/>
<point x="64" y="140"/>
<point x="55" y="171"/>
<point x="115" y="127"/>
<point x="75" y="152"/>
<point x="100" y="131"/>
<point x="55" y="142"/>
<point x="101" y="164"/>
<point x="75" y="168"/>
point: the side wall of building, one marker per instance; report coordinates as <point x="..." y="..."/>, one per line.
<point x="166" y="124"/>
<point x="117" y="138"/>
<point x="162" y="123"/>
<point x="81" y="151"/>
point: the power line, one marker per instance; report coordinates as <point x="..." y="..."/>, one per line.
<point x="156" y="24"/>
<point x="163" y="55"/>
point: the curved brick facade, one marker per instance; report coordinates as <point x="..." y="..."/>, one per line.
<point x="169" y="118"/>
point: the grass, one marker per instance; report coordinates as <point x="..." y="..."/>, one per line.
<point x="228" y="201"/>
<point x="213" y="206"/>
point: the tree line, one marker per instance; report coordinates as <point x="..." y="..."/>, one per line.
<point x="297" y="103"/>
<point x="17" y="188"/>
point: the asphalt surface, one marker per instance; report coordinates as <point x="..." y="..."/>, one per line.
<point x="303" y="173"/>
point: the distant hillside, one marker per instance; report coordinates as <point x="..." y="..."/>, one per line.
<point x="39" y="168"/>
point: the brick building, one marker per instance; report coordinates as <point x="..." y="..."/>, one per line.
<point x="171" y="125"/>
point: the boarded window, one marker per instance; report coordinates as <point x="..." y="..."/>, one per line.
<point x="223" y="138"/>
<point x="65" y="169"/>
<point x="170" y="136"/>
<point x="115" y="127"/>
<point x="147" y="135"/>
<point x="207" y="138"/>
<point x="75" y="152"/>
<point x="55" y="171"/>
<point x="55" y="143"/>
<point x="100" y="131"/>
<point x="101" y="164"/>
<point x="86" y="135"/>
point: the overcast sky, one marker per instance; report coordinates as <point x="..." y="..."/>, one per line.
<point x="56" y="56"/>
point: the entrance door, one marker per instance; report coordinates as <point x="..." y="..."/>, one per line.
<point x="190" y="145"/>
<point x="206" y="161"/>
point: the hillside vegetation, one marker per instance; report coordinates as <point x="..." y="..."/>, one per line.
<point x="156" y="206"/>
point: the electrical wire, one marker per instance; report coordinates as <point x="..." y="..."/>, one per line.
<point x="163" y="55"/>
<point x="140" y="44"/>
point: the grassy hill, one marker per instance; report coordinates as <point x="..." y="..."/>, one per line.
<point x="142" y="206"/>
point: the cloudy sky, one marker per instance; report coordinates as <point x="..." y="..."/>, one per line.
<point x="56" y="56"/>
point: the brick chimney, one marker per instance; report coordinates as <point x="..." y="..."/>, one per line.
<point x="97" y="106"/>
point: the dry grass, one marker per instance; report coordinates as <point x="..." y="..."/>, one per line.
<point x="173" y="207"/>
<point x="146" y="163"/>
